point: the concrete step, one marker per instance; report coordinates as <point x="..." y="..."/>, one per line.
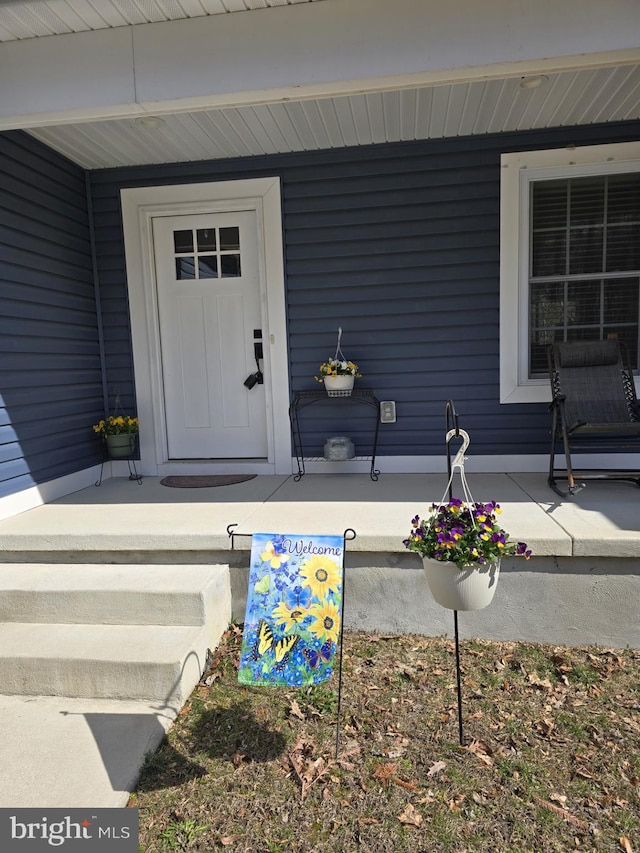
<point x="130" y="594"/>
<point x="132" y="631"/>
<point x="151" y="662"/>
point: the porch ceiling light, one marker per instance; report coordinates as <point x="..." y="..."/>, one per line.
<point x="533" y="82"/>
<point x="151" y="122"/>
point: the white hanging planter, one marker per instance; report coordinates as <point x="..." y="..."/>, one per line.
<point x="470" y="588"/>
<point x="339" y="386"/>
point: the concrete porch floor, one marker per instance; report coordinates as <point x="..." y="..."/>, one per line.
<point x="122" y="516"/>
<point x="580" y="587"/>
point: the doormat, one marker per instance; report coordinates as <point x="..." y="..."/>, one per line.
<point x="205" y="481"/>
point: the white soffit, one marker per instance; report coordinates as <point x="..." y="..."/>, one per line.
<point x="589" y="96"/>
<point x="38" y="18"/>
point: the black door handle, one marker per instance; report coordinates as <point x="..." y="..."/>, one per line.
<point x="256" y="378"/>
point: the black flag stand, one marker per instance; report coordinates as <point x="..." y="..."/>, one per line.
<point x="452" y="430"/>
<point x="345" y="538"/>
<point x="348" y="535"/>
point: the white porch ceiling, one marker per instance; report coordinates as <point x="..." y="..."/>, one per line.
<point x="388" y="110"/>
<point x="487" y="106"/>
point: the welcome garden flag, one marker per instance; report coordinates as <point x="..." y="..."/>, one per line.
<point x="294" y="602"/>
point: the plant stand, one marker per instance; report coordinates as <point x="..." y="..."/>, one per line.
<point x="452" y="430"/>
<point x="302" y="399"/>
<point x="128" y="457"/>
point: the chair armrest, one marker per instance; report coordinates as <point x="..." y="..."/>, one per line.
<point x="557" y="401"/>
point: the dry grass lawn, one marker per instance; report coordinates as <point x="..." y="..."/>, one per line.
<point x="551" y="759"/>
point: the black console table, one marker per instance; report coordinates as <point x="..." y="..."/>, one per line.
<point x="302" y="399"/>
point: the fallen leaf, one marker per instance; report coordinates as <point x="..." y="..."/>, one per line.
<point x="436" y="768"/>
<point x="455" y="802"/>
<point x="296" y="711"/>
<point x="563" y="813"/>
<point x="428" y="798"/>
<point x="238" y="757"/>
<point x="545" y="726"/>
<point x="481" y="751"/>
<point x="583" y="774"/>
<point x="411" y="816"/>
<point x="384" y="772"/>
<point x="228" y="840"/>
<point x="626" y="844"/>
<point x="535" y="679"/>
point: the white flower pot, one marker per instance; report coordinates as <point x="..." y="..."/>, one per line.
<point x="339" y="386"/>
<point x="470" y="588"/>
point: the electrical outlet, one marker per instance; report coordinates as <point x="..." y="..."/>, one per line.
<point x="387" y="412"/>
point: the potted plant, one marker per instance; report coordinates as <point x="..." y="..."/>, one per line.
<point x="338" y="373"/>
<point x="338" y="376"/>
<point x="119" y="432"/>
<point x="461" y="545"/>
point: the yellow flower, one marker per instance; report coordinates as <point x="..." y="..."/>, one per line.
<point x="289" y="618"/>
<point x="326" y="624"/>
<point x="322" y="575"/>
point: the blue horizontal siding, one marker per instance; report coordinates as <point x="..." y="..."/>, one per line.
<point x="398" y="244"/>
<point x="50" y="370"/>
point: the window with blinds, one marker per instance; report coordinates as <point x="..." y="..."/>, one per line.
<point x="584" y="263"/>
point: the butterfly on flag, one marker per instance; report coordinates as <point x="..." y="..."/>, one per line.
<point x="298" y="597"/>
<point x="316" y="657"/>
<point x="263" y="585"/>
<point x="281" y="648"/>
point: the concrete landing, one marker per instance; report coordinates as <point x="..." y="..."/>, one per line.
<point x="66" y="753"/>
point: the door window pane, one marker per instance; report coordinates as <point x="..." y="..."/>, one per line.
<point x="207" y="239"/>
<point x="185" y="268"/>
<point x="183" y="241"/>
<point x="208" y="267"/>
<point x="229" y="239"/>
<point x="230" y="266"/>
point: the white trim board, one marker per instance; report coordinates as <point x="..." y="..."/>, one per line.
<point x="36" y="496"/>
<point x="139" y="206"/>
<point x="489" y="464"/>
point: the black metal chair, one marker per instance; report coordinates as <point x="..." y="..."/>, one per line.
<point x="594" y="408"/>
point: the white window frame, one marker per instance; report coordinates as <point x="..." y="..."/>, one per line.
<point x="518" y="172"/>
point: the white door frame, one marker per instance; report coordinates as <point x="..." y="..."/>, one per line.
<point x="139" y="206"/>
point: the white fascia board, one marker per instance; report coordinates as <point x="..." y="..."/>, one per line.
<point x="90" y="72"/>
<point x="352" y="41"/>
<point x="303" y="51"/>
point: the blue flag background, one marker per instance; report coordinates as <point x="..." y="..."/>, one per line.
<point x="294" y="605"/>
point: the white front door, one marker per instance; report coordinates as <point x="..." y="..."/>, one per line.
<point x="210" y="322"/>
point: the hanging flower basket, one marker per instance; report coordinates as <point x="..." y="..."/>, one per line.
<point x="461" y="545"/>
<point x="338" y="374"/>
<point x="469" y="588"/>
<point x="337" y="386"/>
